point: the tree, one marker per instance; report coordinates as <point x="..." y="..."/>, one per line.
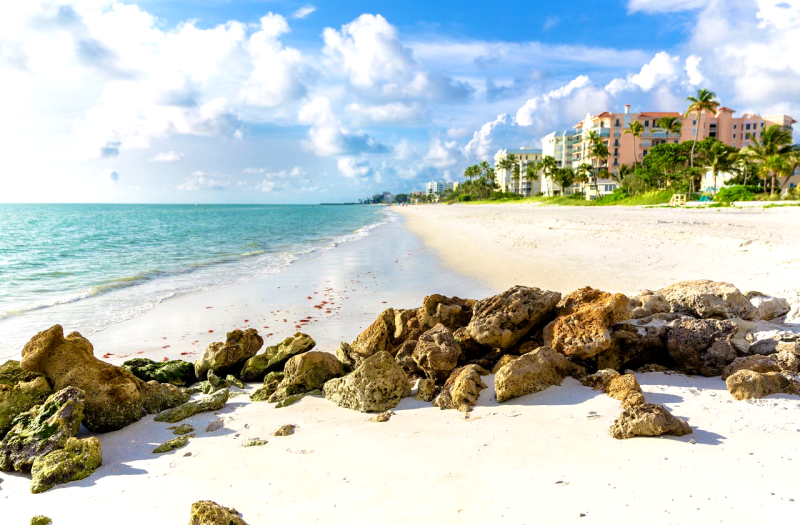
<point x="704" y="101"/>
<point x="667" y="160"/>
<point x="549" y="166"/>
<point x="772" y="153"/>
<point x="583" y="174"/>
<point x="669" y="125"/>
<point x="600" y="151"/>
<point x="516" y="177"/>
<point x="718" y="158"/>
<point x="531" y="173"/>
<point x="636" y="129"/>
<point x="564" y="177"/>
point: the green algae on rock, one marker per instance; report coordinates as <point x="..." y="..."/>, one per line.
<point x="271" y="382"/>
<point x="41" y="520"/>
<point x="275" y="357"/>
<point x="305" y="372"/>
<point x="172" y="444"/>
<point x="210" y="513"/>
<point x="42" y="429"/>
<point x="181" y="430"/>
<point x="77" y="460"/>
<point x="256" y="442"/>
<point x="289" y="400"/>
<point x="21" y="397"/>
<point x="203" y="403"/>
<point x="176" y="372"/>
<point x="228" y="357"/>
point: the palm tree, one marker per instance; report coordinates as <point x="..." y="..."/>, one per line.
<point x="772" y="153"/>
<point x="704" y="101"/>
<point x="583" y="175"/>
<point x="504" y="165"/>
<point x="636" y="129"/>
<point x="549" y="166"/>
<point x="793" y="161"/>
<point x="564" y="177"/>
<point x="718" y="158"/>
<point x="516" y="177"/>
<point x="669" y="125"/>
<point x="600" y="151"/>
<point x="531" y="173"/>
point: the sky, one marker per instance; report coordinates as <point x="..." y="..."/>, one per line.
<point x="264" y="101"/>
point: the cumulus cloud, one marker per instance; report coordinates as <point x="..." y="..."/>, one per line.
<point x="661" y="6"/>
<point x="200" y="180"/>
<point x="482" y="142"/>
<point x="327" y="136"/>
<point x="662" y="69"/>
<point x="403" y="150"/>
<point x="443" y="154"/>
<point x="696" y="77"/>
<point x="354" y="167"/>
<point x="395" y="112"/>
<point x="168" y="156"/>
<point x="295" y="179"/>
<point x="568" y="103"/>
<point x="304" y="11"/>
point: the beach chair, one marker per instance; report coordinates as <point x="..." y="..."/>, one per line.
<point x="677" y="199"/>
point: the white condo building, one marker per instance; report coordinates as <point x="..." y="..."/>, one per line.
<point x="434" y="188"/>
<point x="522" y="158"/>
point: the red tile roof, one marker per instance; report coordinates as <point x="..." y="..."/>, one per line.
<point x="661" y="114"/>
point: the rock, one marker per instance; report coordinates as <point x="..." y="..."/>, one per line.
<point x="472" y="349"/>
<point x="583" y="329"/>
<point x="306" y="372"/>
<point x="376" y="385"/>
<point x="285" y="430"/>
<point x="763" y="347"/>
<point x="405" y="358"/>
<point x="77" y="460"/>
<point x="532" y="372"/>
<point x="767" y="307"/>
<point x="437" y="353"/>
<point x="114" y="397"/>
<point x="426" y="390"/>
<point x="255" y="442"/>
<point x="215" y="425"/>
<point x="378" y="337"/>
<point x="271" y="382"/>
<point x="501" y="321"/>
<point x="41" y="520"/>
<point x="755" y="363"/>
<point x="648" y="303"/>
<point x="747" y="384"/>
<point x="708" y="300"/>
<point x="406" y="326"/>
<point x="204" y="403"/>
<point x="178" y="373"/>
<point x="172" y="444"/>
<point x="452" y="312"/>
<point x="19" y="398"/>
<point x="462" y="388"/>
<point x="161" y="396"/>
<point x="701" y="346"/>
<point x="383" y="417"/>
<point x="230" y="356"/>
<point x="626" y="389"/>
<point x="289" y="400"/>
<point x="42" y="429"/>
<point x="648" y="420"/>
<point x="275" y="357"/>
<point x="181" y="430"/>
<point x="600" y="379"/>
<point x="527" y="347"/>
<point x="637" y="342"/>
<point x="210" y="513"/>
<point x="11" y="374"/>
<point x="503" y="361"/>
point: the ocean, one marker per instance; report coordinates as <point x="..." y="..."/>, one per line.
<point x="87" y="266"/>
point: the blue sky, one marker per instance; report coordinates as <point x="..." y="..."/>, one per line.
<point x="292" y="102"/>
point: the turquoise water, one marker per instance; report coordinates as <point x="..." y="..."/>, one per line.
<point x="91" y="265"/>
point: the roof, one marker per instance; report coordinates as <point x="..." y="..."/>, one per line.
<point x="661" y="114"/>
<point x="724" y="108"/>
<point x="527" y="151"/>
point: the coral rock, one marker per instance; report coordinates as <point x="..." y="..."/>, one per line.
<point x="271" y="382"/>
<point x="626" y="389"/>
<point x="648" y="420"/>
<point x="426" y="390"/>
<point x="20" y="396"/>
<point x="275" y="357"/>
<point x="230" y="356"/>
<point x="747" y="384"/>
<point x="532" y="372"/>
<point x="767" y="307"/>
<point x="462" y="388"/>
<point x="306" y="372"/>
<point x="203" y="403"/>
<point x="173" y="444"/>
<point x="452" y="312"/>
<point x="376" y="385"/>
<point x="77" y="460"/>
<point x="701" y="346"/>
<point x="210" y="513"/>
<point x="42" y="429"/>
<point x="285" y="430"/>
<point x="503" y="361"/>
<point x="437" y="353"/>
<point x="178" y="373"/>
<point x="41" y="520"/>
<point x="708" y="300"/>
<point x="501" y="321"/>
<point x="648" y="303"/>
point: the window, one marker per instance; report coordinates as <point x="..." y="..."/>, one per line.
<point x="734" y="126"/>
<point x="616" y="152"/>
<point x="616" y="143"/>
<point x="694" y="132"/>
<point x="617" y="123"/>
<point x="647" y="123"/>
<point x="748" y="126"/>
<point x="734" y="135"/>
<point x="644" y="152"/>
<point x="762" y="124"/>
<point x="694" y="123"/>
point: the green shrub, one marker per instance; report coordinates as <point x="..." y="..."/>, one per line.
<point x="465" y="198"/>
<point x="734" y="193"/>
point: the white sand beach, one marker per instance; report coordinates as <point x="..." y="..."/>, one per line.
<point x="540" y="458"/>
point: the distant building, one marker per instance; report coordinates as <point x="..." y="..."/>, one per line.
<point x="434" y="188"/>
<point x="451" y="186"/>
<point x="388" y="197"/>
<point x="522" y="157"/>
<point x="558" y="145"/>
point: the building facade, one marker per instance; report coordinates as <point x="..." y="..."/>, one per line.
<point x="434" y="188"/>
<point x="451" y="186"/>
<point x="522" y="157"/>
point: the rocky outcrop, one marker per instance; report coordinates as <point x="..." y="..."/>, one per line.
<point x="77" y="460"/>
<point x="708" y="300"/>
<point x="582" y="329"/>
<point x="437" y="353"/>
<point x="503" y="361"/>
<point x="426" y="390"/>
<point x="701" y="346"/>
<point x="405" y="358"/>
<point x="532" y="372"/>
<point x="178" y="373"/>
<point x="471" y="348"/>
<point x="501" y="321"/>
<point x="41" y="520"/>
<point x="114" y="396"/>
<point x="376" y="385"/>
<point x="600" y="379"/>
<point x="748" y="384"/>
<point x="42" y="429"/>
<point x="638" y="342"/>
<point x="626" y="389"/>
<point x="271" y="382"/>
<point x="161" y="396"/>
<point x="767" y="307"/>
<point x="306" y="372"/>
<point x="784" y="361"/>
<point x="204" y="403"/>
<point x="648" y="303"/>
<point x="462" y="388"/>
<point x="378" y="337"/>
<point x="228" y="357"/>
<point x="210" y="513"/>
<point x="173" y="444"/>
<point x="285" y="430"/>
<point x="275" y="357"/>
<point x="19" y="392"/>
<point x="452" y="312"/>
<point x="648" y="420"/>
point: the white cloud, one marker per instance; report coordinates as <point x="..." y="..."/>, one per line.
<point x="395" y="112"/>
<point x="328" y="136"/>
<point x="168" y="156"/>
<point x="304" y="11"/>
<point x="661" y="70"/>
<point x="443" y="154"/>
<point x="482" y="142"/>
<point x="550" y="22"/>
<point x="696" y="77"/>
<point x="403" y="150"/>
<point x="295" y="179"/>
<point x="354" y="167"/>
<point x="200" y="180"/>
<point x="664" y="6"/>
<point x="111" y="177"/>
<point x="563" y="106"/>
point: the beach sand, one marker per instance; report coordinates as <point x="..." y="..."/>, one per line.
<point x="540" y="458"/>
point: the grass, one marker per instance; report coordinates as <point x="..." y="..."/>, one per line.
<point x="649" y="198"/>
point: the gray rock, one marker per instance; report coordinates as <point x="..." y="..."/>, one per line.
<point x="708" y="300"/>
